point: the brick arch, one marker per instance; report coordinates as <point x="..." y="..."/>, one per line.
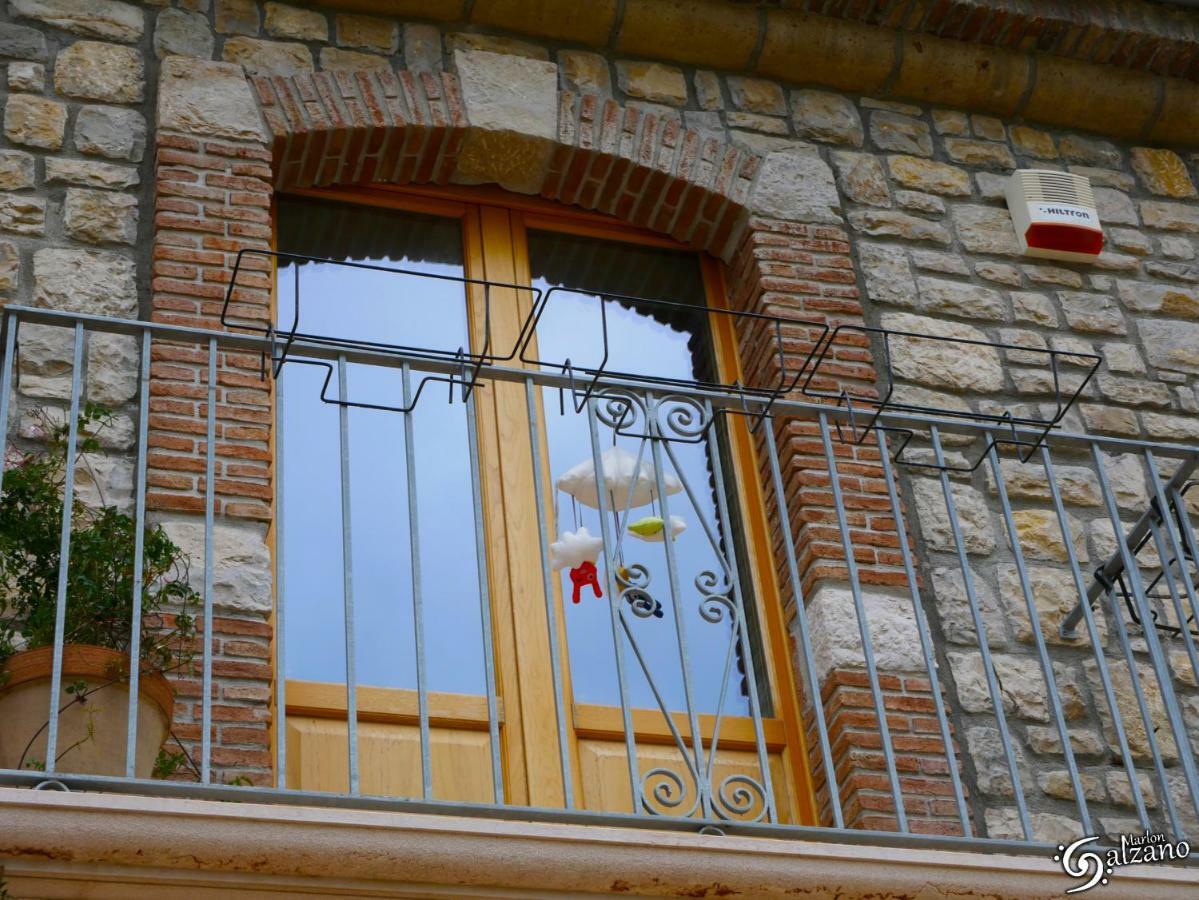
<point x="380" y="126"/>
<point x="225" y="144"/>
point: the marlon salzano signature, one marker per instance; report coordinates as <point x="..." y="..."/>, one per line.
<point x="1096" y="864"/>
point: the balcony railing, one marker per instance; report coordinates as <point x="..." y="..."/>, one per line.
<point x="1023" y="587"/>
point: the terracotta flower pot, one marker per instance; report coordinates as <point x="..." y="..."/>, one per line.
<point x="25" y="708"/>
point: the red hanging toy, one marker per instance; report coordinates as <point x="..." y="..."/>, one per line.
<point x="582" y="575"/>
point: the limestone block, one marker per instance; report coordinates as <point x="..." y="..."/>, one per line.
<point x="1046" y="741"/>
<point x="1047" y="828"/>
<point x="268" y="57"/>
<point x="368" y="33"/>
<point x="1044" y="274"/>
<point x="985" y="229"/>
<point x="887" y="274"/>
<point x="241" y="561"/>
<point x="1032" y="142"/>
<point x="512" y="103"/>
<point x="889" y="223"/>
<point x="999" y="273"/>
<point x="1170" y="216"/>
<point x="112" y="368"/>
<point x="980" y="153"/>
<point x="26" y="76"/>
<point x="942" y="363"/>
<point x="22" y="214"/>
<point x="1120" y="790"/>
<point x="495" y="44"/>
<point x="1134" y="391"/>
<point x="925" y="203"/>
<point x="862" y="179"/>
<point x="16" y="170"/>
<point x="1077" y="485"/>
<point x="44" y="365"/>
<point x="1175" y="428"/>
<point x="985" y="747"/>
<point x="97" y="282"/>
<point x="96" y="18"/>
<point x="207" y="98"/>
<point x="796" y="185"/>
<point x="926" y="175"/>
<point x="100" y="217"/>
<point x="652" y="81"/>
<point x="825" y="116"/>
<point x="1090" y="150"/>
<point x="585" y="73"/>
<point x="34" y="121"/>
<point x="973" y="517"/>
<point x="959" y="298"/>
<point x="236" y="16"/>
<point x="21" y="42"/>
<point x="1034" y="308"/>
<point x="95" y="71"/>
<point x="1109" y="420"/>
<point x="183" y="34"/>
<point x="1162" y="172"/>
<point x="106" y="479"/>
<point x="1040" y="535"/>
<point x="1115" y="207"/>
<point x="1155" y="297"/>
<point x="1058" y="784"/>
<point x="757" y="95"/>
<point x="89" y="173"/>
<point x="1126" y="705"/>
<point x="10" y="266"/>
<point x="837" y="643"/>
<point x="903" y="134"/>
<point x="1171" y="344"/>
<point x="286" y="21"/>
<point x="1054" y="595"/>
<point x="333" y="58"/>
<point x="953" y="606"/>
<point x="950" y="121"/>
<point x="422" y="47"/>
<point x="1093" y="313"/>
<point x="110" y="131"/>
<point x="1020" y="681"/>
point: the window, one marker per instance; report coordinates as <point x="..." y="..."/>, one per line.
<point x="610" y="298"/>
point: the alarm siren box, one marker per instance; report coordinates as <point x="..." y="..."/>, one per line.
<point x="1054" y="214"/>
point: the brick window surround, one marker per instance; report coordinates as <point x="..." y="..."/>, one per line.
<point x="225" y="145"/>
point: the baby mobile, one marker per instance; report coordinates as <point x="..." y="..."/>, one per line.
<point x="630" y="483"/>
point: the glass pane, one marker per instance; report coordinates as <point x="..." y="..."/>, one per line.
<point x="413" y="309"/>
<point x="666" y="340"/>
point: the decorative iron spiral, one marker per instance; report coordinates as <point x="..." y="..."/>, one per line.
<point x="738" y="796"/>
<point x="678" y="417"/>
<point x="667" y="790"/>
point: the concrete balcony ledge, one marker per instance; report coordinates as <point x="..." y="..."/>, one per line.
<point x="107" y="846"/>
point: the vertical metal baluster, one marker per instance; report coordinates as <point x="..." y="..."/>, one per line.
<point x="805" y="633"/>
<point x="1080" y="585"/>
<point x="730" y="550"/>
<point x="672" y="573"/>
<point x="855" y="587"/>
<point x="280" y="621"/>
<point x="1117" y="618"/>
<point x="418" y="607"/>
<point x="1159" y="546"/>
<point x="64" y="551"/>
<point x="10" y="322"/>
<point x="139" y="537"/>
<point x="1176" y="544"/>
<point x="209" y="512"/>
<point x="493" y="719"/>
<point x="925" y="644"/>
<point x="551" y="612"/>
<point x="981" y="631"/>
<point x="347" y="577"/>
<point x="1169" y="700"/>
<point x="601" y="490"/>
<point x="1034" y="621"/>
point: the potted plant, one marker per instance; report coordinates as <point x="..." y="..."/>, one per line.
<point x="93" y="706"/>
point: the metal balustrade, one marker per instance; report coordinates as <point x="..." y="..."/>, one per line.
<point x="1142" y="702"/>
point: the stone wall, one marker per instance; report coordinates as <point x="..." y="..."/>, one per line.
<point x="915" y="223"/>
